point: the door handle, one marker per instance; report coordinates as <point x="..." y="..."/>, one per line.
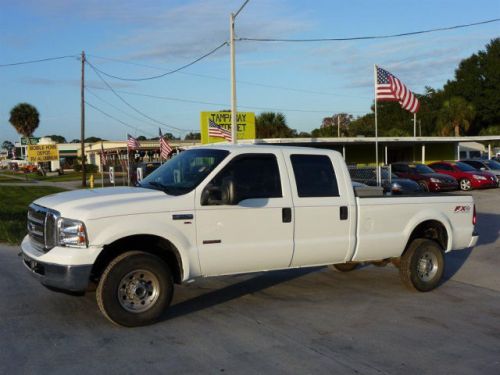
<point x="286" y="214"/>
<point x="343" y="213"/>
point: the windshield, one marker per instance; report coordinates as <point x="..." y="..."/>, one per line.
<point x="492" y="164"/>
<point x="184" y="172"/>
<point x="465" y="167"/>
<point x="420" y="168"/>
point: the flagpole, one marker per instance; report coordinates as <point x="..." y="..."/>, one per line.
<point x="415" y="125"/>
<point x="128" y="164"/>
<point x="376" y="123"/>
<point x="102" y="166"/>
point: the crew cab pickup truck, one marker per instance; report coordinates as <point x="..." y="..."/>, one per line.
<point x="230" y="209"/>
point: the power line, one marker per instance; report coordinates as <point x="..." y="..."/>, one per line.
<point x="225" y="105"/>
<point x="39" y="60"/>
<point x="166" y="73"/>
<point x="112" y="117"/>
<point x="131" y="106"/>
<point x="370" y="36"/>
<point x="258" y="84"/>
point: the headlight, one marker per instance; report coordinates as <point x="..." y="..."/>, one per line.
<point x="71" y="233"/>
<point x="477" y="177"/>
<point x="435" y="180"/>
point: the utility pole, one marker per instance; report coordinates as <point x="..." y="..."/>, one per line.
<point x="234" y="122"/>
<point x="234" y="113"/>
<point x="338" y="126"/>
<point x="82" y="121"/>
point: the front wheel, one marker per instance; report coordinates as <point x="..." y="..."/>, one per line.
<point x="135" y="289"/>
<point x="422" y="265"/>
<point x="423" y="185"/>
<point x="465" y="184"/>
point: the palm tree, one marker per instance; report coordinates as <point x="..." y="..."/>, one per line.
<point x="25" y="118"/>
<point x="272" y="125"/>
<point x="455" y="115"/>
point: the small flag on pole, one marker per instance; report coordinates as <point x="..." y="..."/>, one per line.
<point x="216" y="131"/>
<point x="132" y="143"/>
<point x="165" y="148"/>
<point x="389" y="88"/>
<point x="103" y="156"/>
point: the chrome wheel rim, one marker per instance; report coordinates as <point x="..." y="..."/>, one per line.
<point x="138" y="291"/>
<point x="465" y="184"/>
<point x="427" y="266"/>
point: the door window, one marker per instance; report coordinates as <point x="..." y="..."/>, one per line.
<point x="245" y="177"/>
<point x="314" y="176"/>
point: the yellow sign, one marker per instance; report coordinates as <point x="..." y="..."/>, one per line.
<point x="222" y="120"/>
<point x="41" y="153"/>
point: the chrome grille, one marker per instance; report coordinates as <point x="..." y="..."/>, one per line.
<point x="39" y="219"/>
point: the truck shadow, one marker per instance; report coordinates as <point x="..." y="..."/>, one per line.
<point x="235" y="291"/>
<point x="488" y="227"/>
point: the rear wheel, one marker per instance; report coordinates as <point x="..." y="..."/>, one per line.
<point x="424" y="186"/>
<point x="135" y="289"/>
<point x="422" y="265"/>
<point x="465" y="184"/>
<point x="346" y="267"/>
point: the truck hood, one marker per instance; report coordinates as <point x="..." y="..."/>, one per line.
<point x="88" y="204"/>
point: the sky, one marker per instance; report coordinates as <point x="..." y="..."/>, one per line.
<point x="304" y="81"/>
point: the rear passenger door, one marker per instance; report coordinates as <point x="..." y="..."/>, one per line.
<point x="323" y="219"/>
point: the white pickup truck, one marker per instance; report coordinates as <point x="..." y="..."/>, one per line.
<point x="223" y="210"/>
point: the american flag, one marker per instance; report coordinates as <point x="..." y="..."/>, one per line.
<point x="389" y="88"/>
<point x="217" y="131"/>
<point x="165" y="148"/>
<point x="103" y="156"/>
<point x="132" y="143"/>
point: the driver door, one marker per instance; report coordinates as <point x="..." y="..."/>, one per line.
<point x="244" y="217"/>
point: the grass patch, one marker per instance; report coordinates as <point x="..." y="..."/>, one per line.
<point x="14" y="203"/>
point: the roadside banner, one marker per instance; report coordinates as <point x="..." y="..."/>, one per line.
<point x="42" y="153"/>
<point x="222" y="119"/>
<point x="112" y="175"/>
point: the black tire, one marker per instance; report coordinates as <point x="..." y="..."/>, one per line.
<point x="424" y="186"/>
<point x="346" y="267"/>
<point x="135" y="289"/>
<point x="465" y="184"/>
<point x="422" y="265"/>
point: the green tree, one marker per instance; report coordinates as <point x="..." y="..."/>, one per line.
<point x="93" y="140"/>
<point x="477" y="80"/>
<point x="455" y="116"/>
<point x="272" y="125"/>
<point x="57" y="138"/>
<point x="192" y="136"/>
<point x="7" y="145"/>
<point x="25" y="119"/>
<point x="142" y="138"/>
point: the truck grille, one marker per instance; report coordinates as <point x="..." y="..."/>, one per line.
<point x="41" y="225"/>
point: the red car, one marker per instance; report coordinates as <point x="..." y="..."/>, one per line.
<point x="468" y="177"/>
<point x="428" y="179"/>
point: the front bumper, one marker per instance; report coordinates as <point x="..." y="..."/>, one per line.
<point x="70" y="278"/>
<point x="72" y="274"/>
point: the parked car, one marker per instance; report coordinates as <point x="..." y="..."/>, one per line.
<point x="427" y="178"/>
<point x="241" y="209"/>
<point x="393" y="185"/>
<point x="468" y="177"/>
<point x="491" y="166"/>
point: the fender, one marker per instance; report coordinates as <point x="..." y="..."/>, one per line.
<point x="108" y="230"/>
<point x="430" y="214"/>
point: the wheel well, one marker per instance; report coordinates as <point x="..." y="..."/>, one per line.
<point x="156" y="245"/>
<point x="431" y="229"/>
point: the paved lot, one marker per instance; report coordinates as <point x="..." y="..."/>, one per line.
<point x="307" y="321"/>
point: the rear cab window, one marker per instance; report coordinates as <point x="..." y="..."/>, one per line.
<point x="314" y="176"/>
